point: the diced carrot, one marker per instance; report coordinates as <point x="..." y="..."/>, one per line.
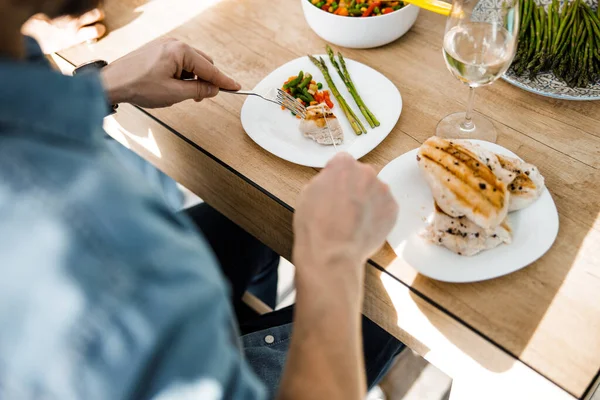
<point x="329" y="103"/>
<point x="387" y="10"/>
<point x="342" y="11"/>
<point x="282" y="107"/>
<point x="297" y="116"/>
<point x="313" y="82"/>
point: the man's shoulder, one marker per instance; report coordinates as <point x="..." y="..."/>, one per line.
<point x="93" y="196"/>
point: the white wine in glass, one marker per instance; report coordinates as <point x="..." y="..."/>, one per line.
<point x="479" y="46"/>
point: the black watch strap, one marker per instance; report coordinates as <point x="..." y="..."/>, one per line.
<point x="94" y="66"/>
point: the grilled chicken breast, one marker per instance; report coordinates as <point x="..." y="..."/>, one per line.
<point x="489" y="158"/>
<point x="462" y="184"/>
<point x="463" y="236"/>
<point x="315" y="125"/>
<point x="527" y="185"/>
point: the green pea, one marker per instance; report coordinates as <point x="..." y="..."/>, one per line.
<point x="376" y="10"/>
<point x="319" y="86"/>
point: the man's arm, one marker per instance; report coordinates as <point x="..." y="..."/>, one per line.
<point x="342" y="218"/>
<point x="325" y="359"/>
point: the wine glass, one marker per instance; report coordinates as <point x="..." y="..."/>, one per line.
<point x="480" y="42"/>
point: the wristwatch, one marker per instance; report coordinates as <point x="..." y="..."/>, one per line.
<point x="94" y="66"/>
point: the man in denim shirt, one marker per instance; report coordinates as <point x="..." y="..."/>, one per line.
<point x="106" y="293"/>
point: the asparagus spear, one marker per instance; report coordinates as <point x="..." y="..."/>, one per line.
<point x="357" y="126"/>
<point x="349" y="86"/>
<point x="349" y="79"/>
<point x="345" y="76"/>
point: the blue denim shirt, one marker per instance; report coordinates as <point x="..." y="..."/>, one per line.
<point x="105" y="293"/>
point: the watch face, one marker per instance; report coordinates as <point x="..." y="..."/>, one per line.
<point x="95" y="65"/>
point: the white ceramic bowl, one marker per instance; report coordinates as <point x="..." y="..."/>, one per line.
<point x="357" y="32"/>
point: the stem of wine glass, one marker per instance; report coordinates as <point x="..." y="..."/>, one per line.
<point x="468" y="124"/>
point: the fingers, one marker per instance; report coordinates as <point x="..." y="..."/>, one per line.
<point x="203" y="54"/>
<point x="86" y="33"/>
<point x="90" y="17"/>
<point x="195" y="89"/>
<point x="202" y="67"/>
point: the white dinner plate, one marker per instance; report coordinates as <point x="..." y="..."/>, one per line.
<point x="534" y="229"/>
<point x="277" y="131"/>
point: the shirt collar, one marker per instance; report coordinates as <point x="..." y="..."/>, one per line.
<point x="33" y="95"/>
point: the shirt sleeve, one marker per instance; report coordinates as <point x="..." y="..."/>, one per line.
<point x="183" y="321"/>
<point x="193" y="348"/>
<point x="121" y="298"/>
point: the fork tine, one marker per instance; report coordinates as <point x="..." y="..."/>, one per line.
<point x="290" y="102"/>
<point x="295" y="105"/>
<point x="292" y="106"/>
<point x="294" y="109"/>
<point x="292" y="99"/>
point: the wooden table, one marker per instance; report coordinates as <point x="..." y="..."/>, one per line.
<point x="532" y="334"/>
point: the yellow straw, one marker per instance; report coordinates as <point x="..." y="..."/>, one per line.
<point x="436" y="6"/>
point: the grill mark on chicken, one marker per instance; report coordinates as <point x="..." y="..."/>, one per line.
<point x="472" y="162"/>
<point x="493" y="196"/>
<point x="462" y="184"/>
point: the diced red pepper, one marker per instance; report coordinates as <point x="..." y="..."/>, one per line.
<point x="327" y="99"/>
<point x="325" y="7"/>
<point x="387" y="10"/>
<point x="369" y="10"/>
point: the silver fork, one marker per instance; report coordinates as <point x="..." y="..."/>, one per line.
<point x="276" y="96"/>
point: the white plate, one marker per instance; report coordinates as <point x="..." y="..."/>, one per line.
<point x="277" y="131"/>
<point x="534" y="229"/>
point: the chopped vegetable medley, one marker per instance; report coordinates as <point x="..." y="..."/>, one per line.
<point x="358" y="8"/>
<point x="306" y="90"/>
